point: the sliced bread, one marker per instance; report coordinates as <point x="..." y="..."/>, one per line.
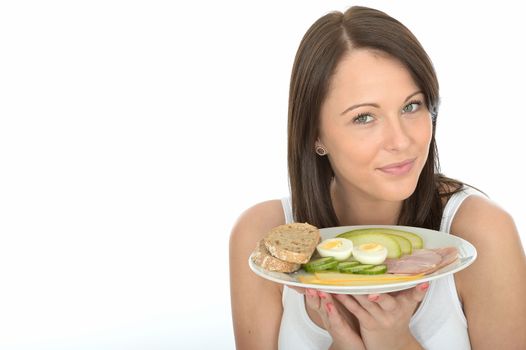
<point x="263" y="258"/>
<point x="294" y="243"/>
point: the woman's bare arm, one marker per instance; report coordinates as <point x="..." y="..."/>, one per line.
<point x="256" y="302"/>
<point x="493" y="289"/>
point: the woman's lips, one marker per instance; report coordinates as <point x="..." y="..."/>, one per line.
<point x="401" y="168"/>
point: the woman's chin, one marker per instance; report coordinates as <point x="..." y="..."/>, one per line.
<point x="397" y="193"/>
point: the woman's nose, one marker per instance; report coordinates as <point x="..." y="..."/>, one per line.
<point x="396" y="135"/>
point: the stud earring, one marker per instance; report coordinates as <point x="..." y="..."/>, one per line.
<point x="320" y="151"/>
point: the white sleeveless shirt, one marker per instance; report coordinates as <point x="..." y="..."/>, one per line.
<point x="438" y="324"/>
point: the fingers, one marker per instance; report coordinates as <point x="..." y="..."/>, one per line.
<point x="418" y="293"/>
<point x="391" y="302"/>
<point x="385" y="301"/>
<point x="355" y="307"/>
<point x="413" y="295"/>
<point x="402" y="303"/>
<point x="372" y="304"/>
<point x="298" y="289"/>
<point x="328" y="311"/>
<point x="323" y="304"/>
<point x="386" y="307"/>
<point x="334" y="322"/>
<point x="312" y="299"/>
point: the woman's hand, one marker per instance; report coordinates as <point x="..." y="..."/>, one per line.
<point x="384" y="318"/>
<point x="344" y="334"/>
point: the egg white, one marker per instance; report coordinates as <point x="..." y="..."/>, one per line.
<point x="339" y="248"/>
<point x="370" y="253"/>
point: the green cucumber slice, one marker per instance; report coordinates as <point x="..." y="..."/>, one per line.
<point x="356" y="268"/>
<point x="321" y="264"/>
<point x="321" y="261"/>
<point x="375" y="270"/>
<point x="347" y="264"/>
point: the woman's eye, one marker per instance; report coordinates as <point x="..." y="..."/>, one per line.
<point x="362" y="119"/>
<point x="411" y="107"/>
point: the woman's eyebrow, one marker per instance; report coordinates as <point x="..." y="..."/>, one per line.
<point x="413" y="94"/>
<point x="375" y="104"/>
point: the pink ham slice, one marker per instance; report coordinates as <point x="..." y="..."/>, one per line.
<point x="449" y="255"/>
<point x="422" y="261"/>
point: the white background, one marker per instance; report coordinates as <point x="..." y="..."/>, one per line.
<point x="134" y="133"/>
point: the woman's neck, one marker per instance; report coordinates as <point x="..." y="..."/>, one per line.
<point x="354" y="207"/>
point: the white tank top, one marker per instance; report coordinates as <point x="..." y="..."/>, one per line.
<point x="438" y="324"/>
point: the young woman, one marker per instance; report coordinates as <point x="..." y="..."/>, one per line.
<point x="362" y="116"/>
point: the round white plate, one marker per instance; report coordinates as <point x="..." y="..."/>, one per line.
<point x="432" y="239"/>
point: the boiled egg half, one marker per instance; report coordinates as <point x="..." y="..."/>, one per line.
<point x="339" y="248"/>
<point x="370" y="253"/>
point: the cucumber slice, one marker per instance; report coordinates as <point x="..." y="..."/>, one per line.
<point x="347" y="264"/>
<point x="375" y="270"/>
<point x="393" y="248"/>
<point x="321" y="264"/>
<point x="357" y="268"/>
<point x="321" y="261"/>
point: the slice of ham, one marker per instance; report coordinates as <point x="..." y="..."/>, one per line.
<point x="449" y="255"/>
<point x="422" y="261"/>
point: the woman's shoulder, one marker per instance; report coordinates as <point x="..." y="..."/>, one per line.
<point x="473" y="202"/>
<point x="492" y="231"/>
<point x="500" y="262"/>
<point x="478" y="218"/>
<point x="256" y="221"/>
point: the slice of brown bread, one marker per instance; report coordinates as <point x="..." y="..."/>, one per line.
<point x="262" y="257"/>
<point x="293" y="242"/>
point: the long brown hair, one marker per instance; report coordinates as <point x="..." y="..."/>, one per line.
<point x="321" y="49"/>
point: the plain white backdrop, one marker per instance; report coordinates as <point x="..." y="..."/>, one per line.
<point x="134" y="133"/>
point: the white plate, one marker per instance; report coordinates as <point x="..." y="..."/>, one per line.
<point x="432" y="239"/>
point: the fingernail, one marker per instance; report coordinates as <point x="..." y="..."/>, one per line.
<point x="424" y="287"/>
<point x="373" y="297"/>
<point x="329" y="307"/>
<point x="322" y="295"/>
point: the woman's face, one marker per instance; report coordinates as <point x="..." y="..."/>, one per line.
<point x="375" y="127"/>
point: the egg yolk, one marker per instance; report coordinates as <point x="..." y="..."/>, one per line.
<point x="370" y="247"/>
<point x="332" y="245"/>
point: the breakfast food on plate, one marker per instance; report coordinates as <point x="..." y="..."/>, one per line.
<point x="448" y="254"/>
<point x="345" y="279"/>
<point x="286" y="247"/>
<point x="263" y="258"/>
<point x="321" y="264"/>
<point x="391" y="244"/>
<point x="423" y="261"/>
<point x="379" y="255"/>
<point x="420" y="261"/>
<point x="415" y="240"/>
<point x="292" y="242"/>
<point x="339" y="248"/>
<point x="370" y="253"/>
<point x="357" y="257"/>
